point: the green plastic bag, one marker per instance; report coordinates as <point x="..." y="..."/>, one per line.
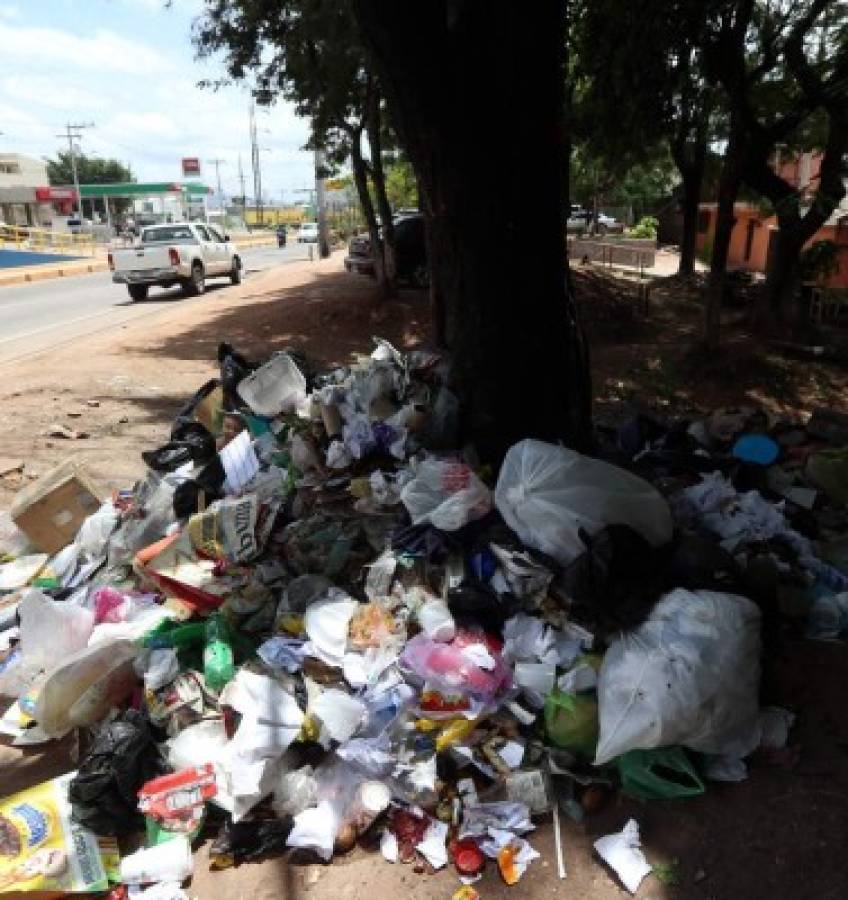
<point x="571" y="721"/>
<point x="661" y="774"/>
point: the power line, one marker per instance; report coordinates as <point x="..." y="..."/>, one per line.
<point x="73" y="133"/>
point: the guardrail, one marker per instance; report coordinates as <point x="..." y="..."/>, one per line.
<point x="618" y="253"/>
<point x="42" y="240"/>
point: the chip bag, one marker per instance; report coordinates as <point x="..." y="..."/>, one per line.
<point x="42" y="849"/>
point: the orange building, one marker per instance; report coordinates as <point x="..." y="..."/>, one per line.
<point x="751" y="241"/>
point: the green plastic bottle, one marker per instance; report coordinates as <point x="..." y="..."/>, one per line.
<point x="218" y="663"/>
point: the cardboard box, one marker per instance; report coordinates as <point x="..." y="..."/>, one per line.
<point x="51" y="510"/>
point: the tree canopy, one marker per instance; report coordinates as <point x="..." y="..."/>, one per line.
<point x="90" y="170"/>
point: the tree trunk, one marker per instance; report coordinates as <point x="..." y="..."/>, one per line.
<point x="360" y="178"/>
<point x="692" y="177"/>
<point x="728" y="190"/>
<point x="372" y="127"/>
<point x="783" y="281"/>
<point x="518" y="356"/>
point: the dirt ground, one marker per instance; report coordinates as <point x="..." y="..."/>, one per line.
<point x="780" y="834"/>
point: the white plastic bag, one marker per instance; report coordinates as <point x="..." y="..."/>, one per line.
<point x="446" y="494"/>
<point x="51" y="631"/>
<point x="547" y="493"/>
<point x="83" y="688"/>
<point x="277" y="387"/>
<point x="689" y="675"/>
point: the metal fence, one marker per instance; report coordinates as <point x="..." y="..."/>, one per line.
<point x="42" y="240"/>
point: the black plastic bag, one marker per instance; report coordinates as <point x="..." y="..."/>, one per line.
<point x="234" y="368"/>
<point x="475" y="603"/>
<point x="239" y="842"/>
<point x="617" y="581"/>
<point x="209" y="482"/>
<point x="190" y="442"/>
<point x="122" y="758"/>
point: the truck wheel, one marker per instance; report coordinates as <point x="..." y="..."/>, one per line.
<point x="138" y="292"/>
<point x="197" y="283"/>
<point x="235" y="275"/>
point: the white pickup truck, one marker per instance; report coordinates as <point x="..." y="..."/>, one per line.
<point x="185" y="253"/>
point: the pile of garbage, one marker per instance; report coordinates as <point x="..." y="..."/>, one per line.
<point x="315" y="623"/>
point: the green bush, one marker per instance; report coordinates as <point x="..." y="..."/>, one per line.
<point x="646" y="227"/>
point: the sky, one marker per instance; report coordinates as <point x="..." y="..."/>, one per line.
<point x="128" y="66"/>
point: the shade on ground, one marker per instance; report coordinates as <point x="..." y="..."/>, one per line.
<point x="9" y="259"/>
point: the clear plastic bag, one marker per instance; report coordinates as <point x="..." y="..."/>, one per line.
<point x="455" y="670"/>
<point x="50" y="632"/>
<point x="689" y="675"/>
<point x="547" y="493"/>
<point x="446" y="494"/>
<point x="277" y="387"/>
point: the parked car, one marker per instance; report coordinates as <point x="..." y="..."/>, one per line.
<point x="308" y="233"/>
<point x="410" y="252"/>
<point x="184" y="253"/>
<point x="77" y="225"/>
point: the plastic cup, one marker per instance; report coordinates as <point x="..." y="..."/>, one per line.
<point x="371" y="798"/>
<point x="170" y="861"/>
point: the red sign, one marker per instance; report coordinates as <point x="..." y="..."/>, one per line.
<point x="191" y="166"/>
<point x="48" y="194"/>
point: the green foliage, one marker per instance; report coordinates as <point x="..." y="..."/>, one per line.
<point x="668" y="873"/>
<point x="306" y="51"/>
<point x="646" y="227"/>
<point x="401" y="184"/>
<point x="90" y="169"/>
<point x="819" y="261"/>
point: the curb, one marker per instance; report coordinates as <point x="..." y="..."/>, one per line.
<point x="48" y="274"/>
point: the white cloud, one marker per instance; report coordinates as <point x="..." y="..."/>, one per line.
<point x="141" y="93"/>
<point x="103" y="51"/>
<point x="9" y="12"/>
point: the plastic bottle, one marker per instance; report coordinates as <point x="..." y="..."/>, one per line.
<point x="218" y="663"/>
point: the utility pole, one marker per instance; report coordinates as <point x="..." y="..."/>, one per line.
<point x="218" y="163"/>
<point x="323" y="242"/>
<point x="73" y="133"/>
<point x="257" y="169"/>
<point x="241" y="182"/>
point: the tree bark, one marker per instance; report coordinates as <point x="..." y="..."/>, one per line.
<point x="360" y="179"/>
<point x="448" y="69"/>
<point x="373" y="128"/>
<point x="728" y="190"/>
<point x="692" y="177"/>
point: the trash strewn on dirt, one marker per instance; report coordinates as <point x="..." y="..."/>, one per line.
<point x="310" y="625"/>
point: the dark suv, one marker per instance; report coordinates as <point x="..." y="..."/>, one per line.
<point x="410" y="252"/>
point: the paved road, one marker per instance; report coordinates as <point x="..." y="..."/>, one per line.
<point x="35" y="317"/>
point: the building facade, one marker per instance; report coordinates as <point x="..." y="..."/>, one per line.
<point x="752" y="240"/>
<point x="26" y="197"/>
